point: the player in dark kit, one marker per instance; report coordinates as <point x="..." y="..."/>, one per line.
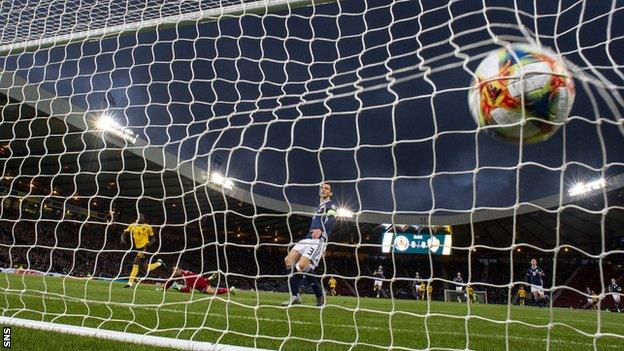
<point x="535" y="278"/>
<point x="378" y="284"/>
<point x="416" y="284"/>
<point x="459" y="282"/>
<point x="306" y="255"/>
<point x="615" y="291"/>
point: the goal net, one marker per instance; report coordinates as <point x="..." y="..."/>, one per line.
<point x="161" y="158"/>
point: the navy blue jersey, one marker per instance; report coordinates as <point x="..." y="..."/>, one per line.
<point x="378" y="274"/>
<point x="459" y="280"/>
<point x="614" y="288"/>
<point x="534" y="276"/>
<point x="324" y="219"/>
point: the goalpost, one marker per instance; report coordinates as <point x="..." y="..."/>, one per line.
<point x="218" y="120"/>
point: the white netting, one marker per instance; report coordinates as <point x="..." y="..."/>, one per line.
<point x="23" y="27"/>
<point x="218" y="120"/>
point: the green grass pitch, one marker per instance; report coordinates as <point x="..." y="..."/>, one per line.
<point x="257" y="319"/>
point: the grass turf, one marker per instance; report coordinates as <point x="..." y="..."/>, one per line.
<point x="257" y="319"/>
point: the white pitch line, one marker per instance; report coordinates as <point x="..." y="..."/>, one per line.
<point x="350" y="326"/>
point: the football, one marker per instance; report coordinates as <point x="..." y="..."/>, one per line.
<point x="521" y="94"/>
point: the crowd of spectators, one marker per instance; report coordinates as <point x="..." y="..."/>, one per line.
<point x="82" y="249"/>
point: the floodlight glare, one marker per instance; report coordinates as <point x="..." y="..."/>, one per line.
<point x="582" y="188"/>
<point x="219" y="179"/>
<point x="106" y="124"/>
<point x="344" y="213"/>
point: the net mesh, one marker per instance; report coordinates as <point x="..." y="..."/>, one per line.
<point x="218" y="120"/>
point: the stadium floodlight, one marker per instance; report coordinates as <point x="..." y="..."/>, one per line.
<point x="107" y="124"/>
<point x="219" y="179"/>
<point x="582" y="188"/>
<point x="104" y="123"/>
<point x="342" y="212"/>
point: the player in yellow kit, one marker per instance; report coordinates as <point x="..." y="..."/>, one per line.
<point x="332" y="285"/>
<point x="522" y="295"/>
<point x="471" y="294"/>
<point x="142" y="236"/>
<point x="429" y="291"/>
<point x="421" y="291"/>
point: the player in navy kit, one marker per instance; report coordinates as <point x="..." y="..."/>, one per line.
<point x="378" y="283"/>
<point x="459" y="282"/>
<point x="416" y="284"/>
<point x="615" y="291"/>
<point x="535" y="278"/>
<point x="305" y="256"/>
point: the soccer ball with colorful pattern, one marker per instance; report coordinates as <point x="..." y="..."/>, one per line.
<point x="521" y="93"/>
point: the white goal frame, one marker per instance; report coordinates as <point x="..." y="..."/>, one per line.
<point x="61" y="108"/>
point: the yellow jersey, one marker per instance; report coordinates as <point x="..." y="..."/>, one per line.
<point x="332" y="283"/>
<point x="429" y="289"/>
<point x="522" y="293"/>
<point x="594" y="298"/>
<point x="470" y="290"/>
<point x="422" y="287"/>
<point x="140" y="234"/>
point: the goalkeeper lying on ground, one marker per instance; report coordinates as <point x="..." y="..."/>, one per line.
<point x="194" y="281"/>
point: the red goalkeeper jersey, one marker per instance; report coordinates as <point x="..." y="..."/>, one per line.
<point x="191" y="280"/>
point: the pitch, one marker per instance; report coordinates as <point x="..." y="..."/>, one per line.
<point x="256" y="319"/>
